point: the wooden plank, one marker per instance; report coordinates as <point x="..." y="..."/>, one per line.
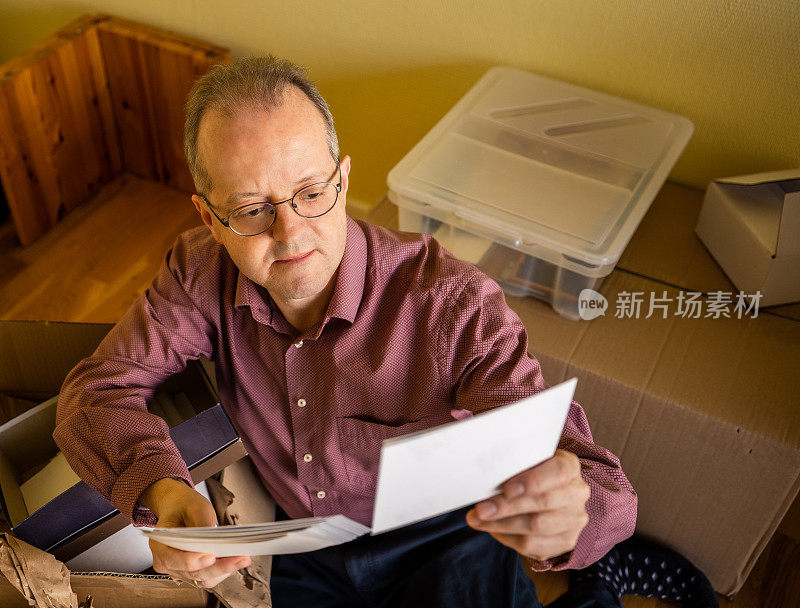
<point x="107" y="122"/>
<point x="128" y="82"/>
<point x="56" y="130"/>
<point x="22" y="188"/>
<point x="164" y="38"/>
<point x="150" y="73"/>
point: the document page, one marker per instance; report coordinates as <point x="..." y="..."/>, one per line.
<point x="448" y="467"/>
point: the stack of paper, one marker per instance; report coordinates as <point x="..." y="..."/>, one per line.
<point x="421" y="475"/>
<point x="292" y="536"/>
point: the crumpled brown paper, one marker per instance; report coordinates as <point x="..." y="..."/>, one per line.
<point x="249" y="587"/>
<point x="37" y="575"/>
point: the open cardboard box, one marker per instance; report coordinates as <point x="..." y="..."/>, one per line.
<point x="36" y="358"/>
<point x="238" y="496"/>
<point x="751" y="225"/>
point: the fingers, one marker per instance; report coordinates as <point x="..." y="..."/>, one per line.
<point x="539" y="547"/>
<point x="176" y="562"/>
<point x="168" y="559"/>
<point x="546" y="523"/>
<point x="211" y="576"/>
<point x="541" y="512"/>
<point x="572" y="496"/>
<point x="553" y="473"/>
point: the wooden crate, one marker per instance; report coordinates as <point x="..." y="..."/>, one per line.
<point x="101" y="96"/>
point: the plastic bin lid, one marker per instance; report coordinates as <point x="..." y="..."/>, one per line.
<point x="547" y="163"/>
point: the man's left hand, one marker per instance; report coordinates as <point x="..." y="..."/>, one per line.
<point x="541" y="511"/>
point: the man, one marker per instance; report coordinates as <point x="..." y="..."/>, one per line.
<point x="329" y="336"/>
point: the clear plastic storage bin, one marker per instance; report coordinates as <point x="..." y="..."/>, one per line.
<point x="539" y="183"/>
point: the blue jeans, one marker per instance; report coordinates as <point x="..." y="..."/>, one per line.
<point x="440" y="562"/>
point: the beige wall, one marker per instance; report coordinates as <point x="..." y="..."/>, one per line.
<point x="391" y="69"/>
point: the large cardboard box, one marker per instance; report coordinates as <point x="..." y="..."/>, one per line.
<point x="36" y="357"/>
<point x="702" y="411"/>
<point x="751" y="225"/>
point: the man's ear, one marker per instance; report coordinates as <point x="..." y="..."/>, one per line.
<point x="344" y="166"/>
<point x="206" y="216"/>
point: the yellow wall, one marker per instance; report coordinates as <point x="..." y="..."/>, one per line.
<point x="390" y="69"/>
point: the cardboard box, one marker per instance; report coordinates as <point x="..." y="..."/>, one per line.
<point x="38" y="357"/>
<point x="701" y="411"/>
<point x="751" y="225"/>
<point x="238" y="497"/>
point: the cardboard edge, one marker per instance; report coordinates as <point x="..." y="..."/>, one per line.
<point x="758" y="550"/>
<point x="755" y="179"/>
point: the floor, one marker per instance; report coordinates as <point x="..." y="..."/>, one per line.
<point x="95" y="262"/>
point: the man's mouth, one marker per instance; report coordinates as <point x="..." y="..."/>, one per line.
<point x="294" y="259"/>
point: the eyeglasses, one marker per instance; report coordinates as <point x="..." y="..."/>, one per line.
<point x="311" y="201"/>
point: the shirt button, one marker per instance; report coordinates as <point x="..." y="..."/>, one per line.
<point x="301" y="403"/>
<point x="307" y="457"/>
<point x="299" y="344"/>
<point x="321" y="494"/>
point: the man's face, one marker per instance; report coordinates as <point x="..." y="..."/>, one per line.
<point x="258" y="156"/>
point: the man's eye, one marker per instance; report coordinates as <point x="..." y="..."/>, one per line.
<point x="312" y="194"/>
<point x="253" y="212"/>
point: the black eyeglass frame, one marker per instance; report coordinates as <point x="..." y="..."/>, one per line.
<point x="226" y="222"/>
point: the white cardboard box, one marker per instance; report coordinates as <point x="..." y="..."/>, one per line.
<point x="751" y="225"/>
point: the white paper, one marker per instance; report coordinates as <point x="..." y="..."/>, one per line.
<point x="274" y="538"/>
<point x="457" y="464"/>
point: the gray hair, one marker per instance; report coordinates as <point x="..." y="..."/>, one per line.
<point x="255" y="81"/>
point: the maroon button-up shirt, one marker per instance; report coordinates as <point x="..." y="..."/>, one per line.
<point x="412" y="338"/>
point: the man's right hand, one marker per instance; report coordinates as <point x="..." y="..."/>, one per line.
<point x="176" y="505"/>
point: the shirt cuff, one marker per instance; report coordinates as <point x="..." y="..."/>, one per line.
<point x="138" y="477"/>
<point x="555" y="563"/>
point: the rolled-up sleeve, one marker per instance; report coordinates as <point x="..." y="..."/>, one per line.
<point x="103" y="426"/>
<point x="484" y="355"/>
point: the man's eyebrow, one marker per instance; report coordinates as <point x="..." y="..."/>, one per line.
<point x="234" y="198"/>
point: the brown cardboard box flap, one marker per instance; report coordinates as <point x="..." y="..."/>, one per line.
<point x="785" y="192"/>
<point x="41" y="579"/>
<point x="44" y="353"/>
<point x="241" y="498"/>
<point x="761" y="178"/>
<point x="789" y="232"/>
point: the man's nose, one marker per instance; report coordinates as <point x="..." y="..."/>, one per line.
<point x="287" y="225"/>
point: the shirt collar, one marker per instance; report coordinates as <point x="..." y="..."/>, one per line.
<point x="349" y="289"/>
<point x="347" y="293"/>
<point x="255" y="297"/>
